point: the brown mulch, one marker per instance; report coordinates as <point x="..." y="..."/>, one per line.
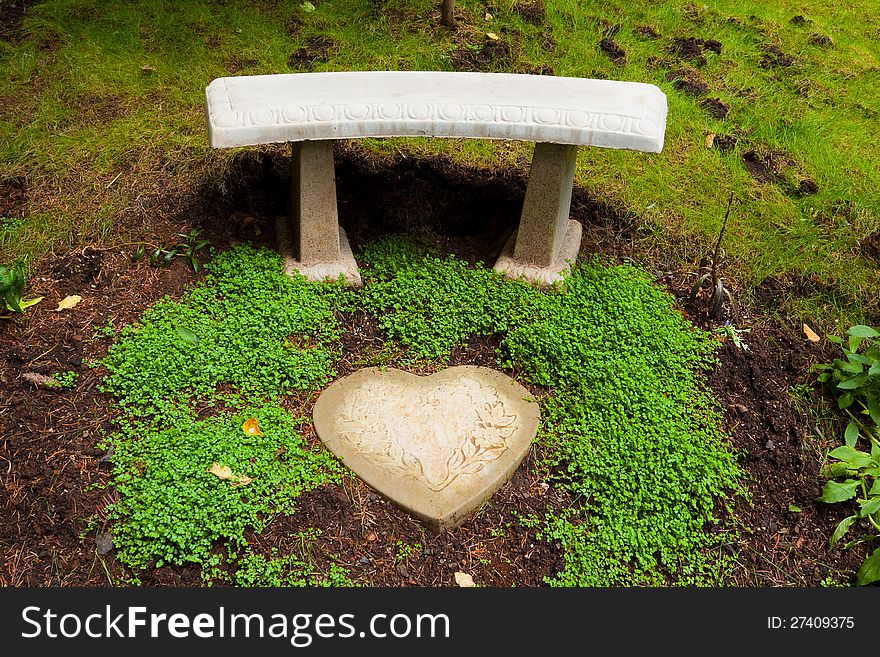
<point x="50" y="459"/>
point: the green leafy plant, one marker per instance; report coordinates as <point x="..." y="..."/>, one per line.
<point x="404" y="551"/>
<point x="247" y="326"/>
<point x="13" y="278"/>
<point x="709" y="271"/>
<point x="162" y="256"/>
<point x="854" y="381"/>
<point x="276" y="569"/>
<point x="191" y="481"/>
<point x="734" y="334"/>
<point x="190" y="246"/>
<point x="174" y="504"/>
<point x="628" y="429"/>
<point x="64" y="379"/>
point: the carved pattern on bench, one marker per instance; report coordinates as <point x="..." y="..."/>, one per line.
<point x="224" y="115"/>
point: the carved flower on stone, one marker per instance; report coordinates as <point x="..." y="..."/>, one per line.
<point x="493" y="426"/>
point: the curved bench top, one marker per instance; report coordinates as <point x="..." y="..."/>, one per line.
<point x="260" y="109"/>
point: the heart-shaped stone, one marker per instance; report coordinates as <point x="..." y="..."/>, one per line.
<point x="437" y="445"/>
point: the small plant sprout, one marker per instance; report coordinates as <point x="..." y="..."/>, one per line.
<point x="190" y="246"/>
<point x="709" y="271"/>
<point x="64" y="380"/>
<point x="734" y="334"/>
<point x="161" y="256"/>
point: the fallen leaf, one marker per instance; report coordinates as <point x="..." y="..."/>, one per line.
<point x="224" y="473"/>
<point x="492" y="36"/>
<point x="811" y="334"/>
<point x="710" y="139"/>
<point x="40" y="380"/>
<point x="68" y="302"/>
<point x="221" y="471"/>
<point x="187" y="336"/>
<point x="464" y="580"/>
<point x="251" y="428"/>
<point x="148" y="68"/>
<point x="104" y="543"/>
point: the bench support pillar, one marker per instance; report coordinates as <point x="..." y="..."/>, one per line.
<point x="546" y="238"/>
<point x="312" y="242"/>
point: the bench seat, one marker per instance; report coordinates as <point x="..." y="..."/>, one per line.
<point x="259" y="109"/>
<point x="313" y="109"/>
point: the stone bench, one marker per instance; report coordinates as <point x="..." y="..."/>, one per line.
<point x="313" y="109"/>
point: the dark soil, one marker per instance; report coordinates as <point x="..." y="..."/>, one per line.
<point x="774" y="58"/>
<point x="807" y="186"/>
<point x="238" y="64"/>
<point x="647" y="32"/>
<point x="693" y="50"/>
<point x="779" y="167"/>
<point x="50" y="459"/>
<point x="688" y="81"/>
<point x="821" y="40"/>
<point x="11" y="15"/>
<point x="608" y="28"/>
<point x="764" y="167"/>
<point x="316" y="49"/>
<point x="13" y="194"/>
<point x="615" y="53"/>
<point x="871" y="246"/>
<point x="715" y="107"/>
<point x="92" y="109"/>
<point x="531" y="12"/>
<point x="491" y="55"/>
<point x="531" y="69"/>
<point x="725" y="143"/>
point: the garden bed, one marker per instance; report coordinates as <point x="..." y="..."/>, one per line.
<point x="55" y="460"/>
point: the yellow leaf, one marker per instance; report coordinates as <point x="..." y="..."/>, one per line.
<point x="250" y="427"/>
<point x="492" y="36"/>
<point x="68" y="302"/>
<point x="811" y="334"/>
<point x="224" y="473"/>
<point x="221" y="471"/>
<point x="710" y="139"/>
<point x="464" y="580"/>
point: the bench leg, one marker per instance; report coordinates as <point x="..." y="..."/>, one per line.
<point x="546" y="238"/>
<point x="312" y="242"/>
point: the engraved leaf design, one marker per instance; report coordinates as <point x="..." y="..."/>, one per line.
<point x="361" y="424"/>
<point x="365" y="424"/>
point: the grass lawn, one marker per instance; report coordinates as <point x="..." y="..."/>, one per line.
<point x="113" y="93"/>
